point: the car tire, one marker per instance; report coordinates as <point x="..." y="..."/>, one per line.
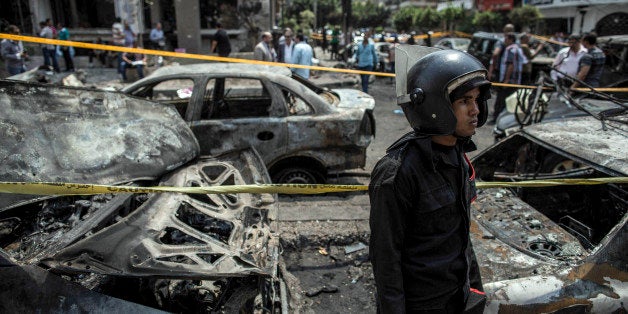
<point x="293" y="175"/>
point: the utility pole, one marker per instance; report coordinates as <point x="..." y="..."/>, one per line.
<point x="346" y="24"/>
<point x="315" y="14"/>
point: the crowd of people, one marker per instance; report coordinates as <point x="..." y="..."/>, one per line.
<point x="582" y="62"/>
<point x="291" y="49"/>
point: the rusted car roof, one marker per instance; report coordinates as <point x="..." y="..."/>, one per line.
<point x="605" y="145"/>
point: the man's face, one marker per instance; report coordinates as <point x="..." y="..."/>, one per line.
<point x="574" y="44"/>
<point x="466" y="111"/>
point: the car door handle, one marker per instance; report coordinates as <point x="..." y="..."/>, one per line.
<point x="265" y="136"/>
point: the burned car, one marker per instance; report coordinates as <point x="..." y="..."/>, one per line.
<point x="526" y="106"/>
<point x="555" y="248"/>
<point x="303" y="132"/>
<point x="127" y="252"/>
<point x="461" y="44"/>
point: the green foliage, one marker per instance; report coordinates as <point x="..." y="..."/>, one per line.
<point x="369" y="14"/>
<point x="525" y="16"/>
<point x="428" y="19"/>
<point x="451" y="16"/>
<point x="405" y="18"/>
<point x="289" y="23"/>
<point x="487" y="21"/>
<point x="307" y="18"/>
<point x="329" y="11"/>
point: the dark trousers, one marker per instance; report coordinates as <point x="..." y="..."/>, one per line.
<point x="365" y="77"/>
<point x="139" y="68"/>
<point x="526" y="78"/>
<point x="500" y="100"/>
<point x="67" y="57"/>
<point x="50" y="58"/>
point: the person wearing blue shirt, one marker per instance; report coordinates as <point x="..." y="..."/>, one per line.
<point x="366" y="59"/>
<point x="302" y="54"/>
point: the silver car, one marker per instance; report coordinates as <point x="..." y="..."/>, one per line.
<point x="303" y="132"/>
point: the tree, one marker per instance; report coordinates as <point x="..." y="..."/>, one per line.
<point x="307" y="21"/>
<point x="328" y="11"/>
<point x="428" y="19"/>
<point x="369" y="14"/>
<point x="451" y="15"/>
<point x="487" y="21"/>
<point x="405" y="18"/>
<point x="524" y="16"/>
<point x="247" y="13"/>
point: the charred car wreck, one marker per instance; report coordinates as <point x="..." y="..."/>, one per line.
<point x="557" y="248"/>
<point x="127" y="252"/>
<point x="302" y="132"/>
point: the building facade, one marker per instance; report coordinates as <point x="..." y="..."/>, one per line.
<point x="188" y="24"/>
<point x="606" y="17"/>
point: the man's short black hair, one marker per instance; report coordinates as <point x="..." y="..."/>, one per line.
<point x="575" y="37"/>
<point x="301" y="37"/>
<point x="218" y="25"/>
<point x="590" y="38"/>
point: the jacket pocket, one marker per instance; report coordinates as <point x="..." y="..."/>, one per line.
<point x="436" y="198"/>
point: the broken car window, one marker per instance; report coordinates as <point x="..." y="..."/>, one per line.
<point x="176" y="92"/>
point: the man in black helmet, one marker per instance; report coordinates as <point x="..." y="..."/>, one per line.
<point x="421" y="190"/>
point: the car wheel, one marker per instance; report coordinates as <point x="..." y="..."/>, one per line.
<point x="556" y="163"/>
<point x="297" y="176"/>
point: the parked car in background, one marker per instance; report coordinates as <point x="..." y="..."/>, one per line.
<point x="616" y="50"/>
<point x="482" y="45"/>
<point x="127" y="253"/>
<point x="554" y="249"/>
<point x="461" y="44"/>
<point x="302" y="132"/>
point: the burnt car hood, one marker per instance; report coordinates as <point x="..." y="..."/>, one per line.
<point x="354" y="99"/>
<point x="86" y="136"/>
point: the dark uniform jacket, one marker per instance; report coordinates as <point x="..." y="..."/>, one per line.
<point x="419" y="247"/>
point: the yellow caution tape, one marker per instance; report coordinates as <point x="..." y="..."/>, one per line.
<point x="549" y="40"/>
<point x="54" y="188"/>
<point x="249" y="61"/>
<point x="552" y="182"/>
<point x="180" y="54"/>
<point x="580" y="89"/>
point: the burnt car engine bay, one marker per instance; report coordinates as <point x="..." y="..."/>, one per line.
<point x="534" y="220"/>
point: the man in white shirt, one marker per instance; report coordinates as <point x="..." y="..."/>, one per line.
<point x="567" y="59"/>
<point x="285" y="50"/>
<point x="50" y="52"/>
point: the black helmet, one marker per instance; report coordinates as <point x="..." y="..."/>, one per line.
<point x="434" y="82"/>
